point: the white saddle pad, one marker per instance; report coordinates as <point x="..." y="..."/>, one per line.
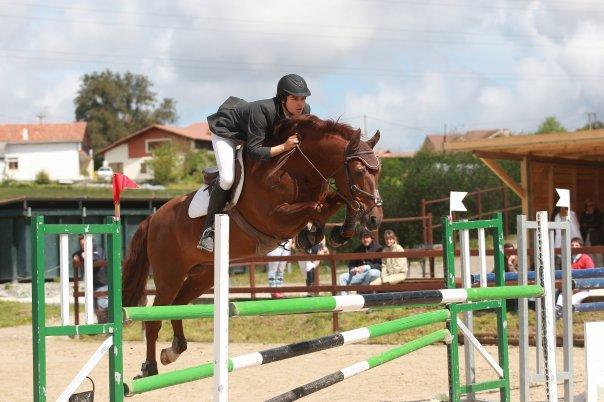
<point x="199" y="204"/>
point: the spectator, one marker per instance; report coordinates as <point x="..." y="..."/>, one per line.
<point x="511" y="261"/>
<point x="580" y="261"/>
<point x="394" y="269"/>
<point x="276" y="269"/>
<point x="591" y="228"/>
<point x="308" y="268"/>
<point x="364" y="271"/>
<point x="574" y="225"/>
<point x="99" y="277"/>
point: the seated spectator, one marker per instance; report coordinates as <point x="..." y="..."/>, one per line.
<point x="394" y="269"/>
<point x="364" y="271"/>
<point x="580" y="261"/>
<point x="99" y="277"/>
<point x="511" y="261"/>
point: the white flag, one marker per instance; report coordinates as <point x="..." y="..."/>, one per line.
<point x="564" y="195"/>
<point x="456" y="201"/>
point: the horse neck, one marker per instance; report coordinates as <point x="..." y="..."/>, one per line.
<point x="326" y="154"/>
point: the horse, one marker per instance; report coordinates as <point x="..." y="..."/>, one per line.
<point x="331" y="167"/>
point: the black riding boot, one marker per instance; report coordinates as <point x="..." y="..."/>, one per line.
<point x="218" y="199"/>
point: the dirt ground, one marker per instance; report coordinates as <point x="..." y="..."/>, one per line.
<point x="420" y="376"/>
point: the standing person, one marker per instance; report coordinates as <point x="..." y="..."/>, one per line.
<point x="394" y="269"/>
<point x="308" y="268"/>
<point x="363" y="271"/>
<point x="591" y="228"/>
<point x="250" y="123"/>
<point x="276" y="269"/>
<point x="99" y="277"/>
<point x="574" y="225"/>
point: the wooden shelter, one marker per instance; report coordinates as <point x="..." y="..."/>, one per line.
<point x="573" y="160"/>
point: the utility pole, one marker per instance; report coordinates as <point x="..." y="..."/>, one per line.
<point x="41" y="116"/>
<point x="365" y="123"/>
<point x="591" y="119"/>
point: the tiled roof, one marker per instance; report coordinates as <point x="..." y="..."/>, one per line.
<point x="25" y="133"/>
<point x="195" y="131"/>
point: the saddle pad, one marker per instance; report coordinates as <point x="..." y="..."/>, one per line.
<point x="199" y="204"/>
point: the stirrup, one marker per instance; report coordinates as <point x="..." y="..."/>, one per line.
<point x="206" y="242"/>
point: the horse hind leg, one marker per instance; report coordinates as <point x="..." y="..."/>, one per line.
<point x="196" y="283"/>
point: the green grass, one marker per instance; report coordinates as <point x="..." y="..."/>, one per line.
<point x="13" y="313"/>
<point x="31" y="190"/>
<point x="293" y="328"/>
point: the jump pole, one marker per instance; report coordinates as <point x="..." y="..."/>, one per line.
<point x="357" y="368"/>
<point x="221" y="310"/>
<point x="279" y="353"/>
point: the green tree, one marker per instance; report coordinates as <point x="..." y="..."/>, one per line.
<point x="166" y="164"/>
<point x="115" y="105"/>
<point x="195" y="161"/>
<point x="550" y="125"/>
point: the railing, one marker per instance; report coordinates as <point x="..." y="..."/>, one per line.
<point x="505" y="210"/>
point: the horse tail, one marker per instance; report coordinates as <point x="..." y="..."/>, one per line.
<point x="136" y="267"/>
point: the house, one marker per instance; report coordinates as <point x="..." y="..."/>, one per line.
<point x="56" y="149"/>
<point x="436" y="142"/>
<point x="130" y="154"/>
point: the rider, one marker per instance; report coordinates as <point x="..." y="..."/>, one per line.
<point x="238" y="121"/>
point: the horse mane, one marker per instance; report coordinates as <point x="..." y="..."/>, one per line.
<point x="311" y="126"/>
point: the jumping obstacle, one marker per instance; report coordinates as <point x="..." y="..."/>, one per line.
<point x="163" y="380"/>
<point x="588" y="283"/>
<point x="585" y="307"/>
<point x="325" y="304"/>
<point x="513" y="276"/>
<point x="357" y="368"/>
<point x="458" y="301"/>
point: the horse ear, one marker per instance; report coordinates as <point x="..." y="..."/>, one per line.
<point x="353" y="145"/>
<point x="374" y="139"/>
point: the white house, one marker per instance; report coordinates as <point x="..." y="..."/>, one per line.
<point x="57" y="149"/>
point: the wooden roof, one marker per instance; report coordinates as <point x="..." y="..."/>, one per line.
<point x="578" y="145"/>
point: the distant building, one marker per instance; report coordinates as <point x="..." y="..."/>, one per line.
<point x="436" y="142"/>
<point x="386" y="153"/>
<point x="57" y="149"/>
<point x="130" y="154"/>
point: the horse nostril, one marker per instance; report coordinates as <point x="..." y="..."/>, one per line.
<point x="373" y="221"/>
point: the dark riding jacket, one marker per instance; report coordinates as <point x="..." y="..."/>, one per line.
<point x="251" y="123"/>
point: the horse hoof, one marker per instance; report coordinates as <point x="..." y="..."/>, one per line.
<point x="147" y="369"/>
<point x="335" y="237"/>
<point x="168" y="356"/>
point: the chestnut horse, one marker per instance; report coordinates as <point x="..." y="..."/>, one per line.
<point x="331" y="167"/>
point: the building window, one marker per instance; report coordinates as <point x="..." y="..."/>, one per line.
<point x="13" y="163"/>
<point x="117" y="167"/>
<point x="143" y="167"/>
<point x="150" y="145"/>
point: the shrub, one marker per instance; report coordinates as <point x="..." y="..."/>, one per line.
<point x="165" y="164"/>
<point x="42" y="178"/>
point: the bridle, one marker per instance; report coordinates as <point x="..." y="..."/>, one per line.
<point x="355" y="191"/>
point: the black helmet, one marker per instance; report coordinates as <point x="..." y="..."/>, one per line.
<point x="365" y="233"/>
<point x="292" y="84"/>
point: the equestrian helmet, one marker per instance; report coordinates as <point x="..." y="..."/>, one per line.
<point x="292" y="84"/>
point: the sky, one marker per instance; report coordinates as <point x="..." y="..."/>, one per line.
<point x="406" y="67"/>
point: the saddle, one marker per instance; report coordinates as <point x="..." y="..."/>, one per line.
<point x="199" y="204"/>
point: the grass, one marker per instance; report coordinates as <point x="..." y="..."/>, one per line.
<point x="288" y="329"/>
<point x="31" y="190"/>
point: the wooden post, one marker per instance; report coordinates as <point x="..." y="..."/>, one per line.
<point x="334" y="282"/>
<point x="253" y="281"/>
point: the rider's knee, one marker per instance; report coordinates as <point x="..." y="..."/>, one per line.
<point x="226" y="182"/>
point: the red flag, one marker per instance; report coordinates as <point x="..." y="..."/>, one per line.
<point x="120" y="182"/>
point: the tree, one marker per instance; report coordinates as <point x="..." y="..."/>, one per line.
<point x="550" y="125"/>
<point x="115" y="105"/>
<point x="165" y="163"/>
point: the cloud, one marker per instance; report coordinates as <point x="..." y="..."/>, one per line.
<point x="412" y="68"/>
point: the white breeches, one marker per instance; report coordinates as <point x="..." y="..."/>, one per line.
<point x="224" y="150"/>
